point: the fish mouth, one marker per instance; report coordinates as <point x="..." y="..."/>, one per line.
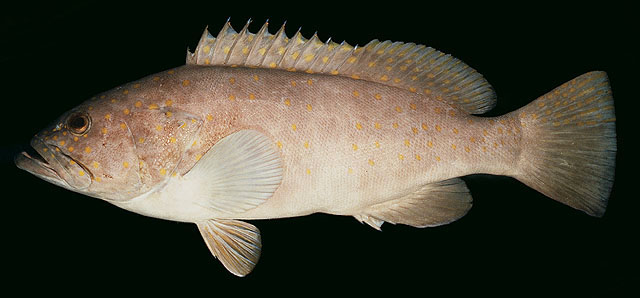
<point x="51" y="164"/>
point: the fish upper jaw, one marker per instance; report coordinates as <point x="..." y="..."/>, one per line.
<point x="49" y="163"/>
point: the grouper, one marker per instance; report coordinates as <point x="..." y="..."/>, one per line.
<point x="263" y="126"/>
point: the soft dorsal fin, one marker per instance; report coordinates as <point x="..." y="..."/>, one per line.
<point x="412" y="67"/>
<point x="432" y="205"/>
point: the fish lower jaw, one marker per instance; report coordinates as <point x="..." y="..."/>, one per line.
<point x="35" y="164"/>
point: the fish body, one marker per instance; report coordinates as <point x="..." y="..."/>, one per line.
<point x="259" y="126"/>
<point x="341" y="152"/>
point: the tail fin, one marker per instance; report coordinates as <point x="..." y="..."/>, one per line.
<point x="569" y="139"/>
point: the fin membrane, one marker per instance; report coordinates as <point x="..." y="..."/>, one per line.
<point x="571" y="143"/>
<point x="408" y="66"/>
<point x="235" y="243"/>
<point x="433" y="205"/>
<point x="238" y="173"/>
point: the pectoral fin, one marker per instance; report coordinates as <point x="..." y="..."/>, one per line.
<point x="433" y="205"/>
<point x="238" y="173"/>
<point x="235" y="243"/>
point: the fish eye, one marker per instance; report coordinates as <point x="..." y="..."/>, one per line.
<point x="78" y="123"/>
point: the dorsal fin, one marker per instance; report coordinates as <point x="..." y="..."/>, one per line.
<point x="409" y="66"/>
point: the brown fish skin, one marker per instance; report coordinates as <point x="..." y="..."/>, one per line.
<point x="300" y="138"/>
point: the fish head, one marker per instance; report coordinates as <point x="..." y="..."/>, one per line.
<point x="87" y="150"/>
<point x="113" y="147"/>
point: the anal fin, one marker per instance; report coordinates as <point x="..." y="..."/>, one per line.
<point x="235" y="243"/>
<point x="432" y="205"/>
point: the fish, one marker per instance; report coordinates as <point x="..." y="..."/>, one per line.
<point x="264" y="126"/>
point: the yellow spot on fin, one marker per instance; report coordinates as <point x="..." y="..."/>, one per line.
<point x="572" y="156"/>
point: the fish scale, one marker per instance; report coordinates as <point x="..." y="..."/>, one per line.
<point x="259" y="126"/>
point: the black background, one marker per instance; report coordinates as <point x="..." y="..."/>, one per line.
<point x="514" y="241"/>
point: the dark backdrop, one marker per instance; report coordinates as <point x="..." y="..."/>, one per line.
<point x="514" y="241"/>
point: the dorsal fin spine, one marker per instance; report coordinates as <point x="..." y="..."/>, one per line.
<point x="303" y="51"/>
<point x="272" y="52"/>
<point x="287" y="49"/>
<point x="219" y="44"/>
<point x="326" y="53"/>
<point x="254" y="54"/>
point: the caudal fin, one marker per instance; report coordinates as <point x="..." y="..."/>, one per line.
<point x="569" y="145"/>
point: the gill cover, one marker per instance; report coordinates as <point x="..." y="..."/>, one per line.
<point x="160" y="137"/>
